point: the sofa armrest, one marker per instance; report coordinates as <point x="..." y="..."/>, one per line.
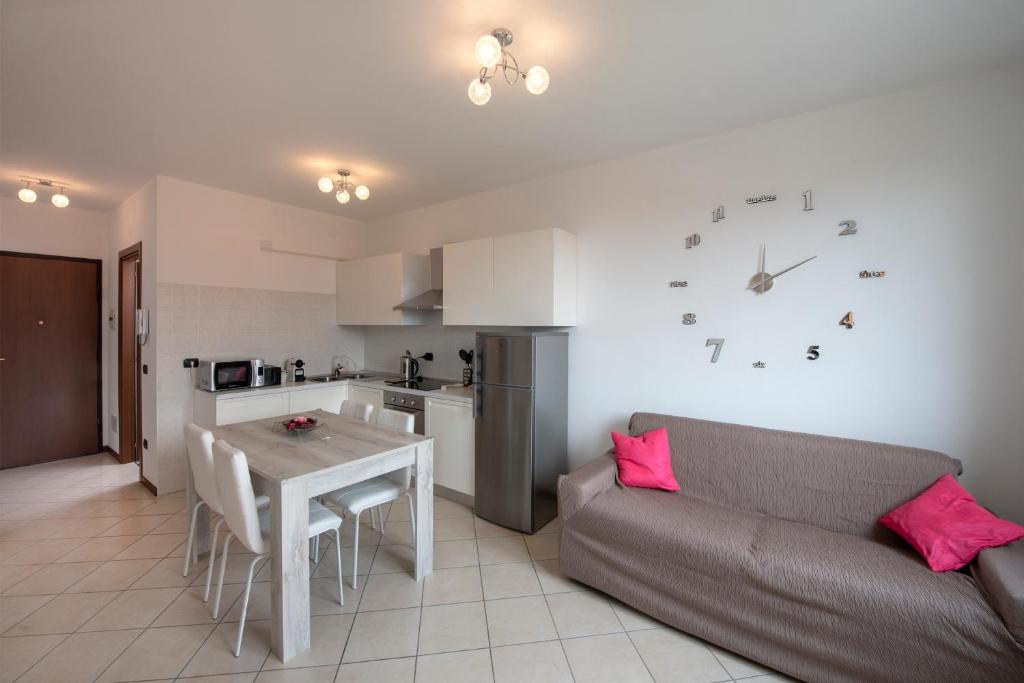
<point x="579" y="487"/>
<point x="1000" y="574"/>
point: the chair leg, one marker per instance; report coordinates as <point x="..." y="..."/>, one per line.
<point x="213" y="559"/>
<point x="245" y="603"/>
<point x="341" y="583"/>
<point x="220" y="579"/>
<point x="412" y="518"/>
<point x="355" y="552"/>
<point x="373" y="519"/>
<point x="191" y="537"/>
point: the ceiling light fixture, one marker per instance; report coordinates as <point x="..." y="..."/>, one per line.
<point x="29" y="196"/>
<point x="491" y="54"/>
<point x="342" y="186"/>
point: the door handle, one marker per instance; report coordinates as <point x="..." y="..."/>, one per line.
<point x="478" y="404"/>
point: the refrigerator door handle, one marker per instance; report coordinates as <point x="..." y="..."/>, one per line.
<point x="478" y="403"/>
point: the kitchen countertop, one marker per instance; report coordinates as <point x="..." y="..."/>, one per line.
<point x="378" y="380"/>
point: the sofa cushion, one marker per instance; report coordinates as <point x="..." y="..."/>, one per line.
<point x="948" y="527"/>
<point x="837" y="484"/>
<point x="645" y="460"/>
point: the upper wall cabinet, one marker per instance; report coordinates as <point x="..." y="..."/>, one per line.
<point x="369" y="288"/>
<point x="527" y="279"/>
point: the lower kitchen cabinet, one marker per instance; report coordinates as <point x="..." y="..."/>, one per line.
<point x="375" y="397"/>
<point x="451" y="425"/>
<point x="328" y="398"/>
<point x="213" y="410"/>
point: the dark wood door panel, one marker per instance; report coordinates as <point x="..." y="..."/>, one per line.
<point x="50" y="385"/>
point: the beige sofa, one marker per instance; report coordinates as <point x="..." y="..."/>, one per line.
<point x="772" y="550"/>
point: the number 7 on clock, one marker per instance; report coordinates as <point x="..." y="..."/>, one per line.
<point x="718" y="344"/>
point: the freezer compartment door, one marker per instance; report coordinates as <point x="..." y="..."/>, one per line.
<point x="504" y="456"/>
<point x="505" y="360"/>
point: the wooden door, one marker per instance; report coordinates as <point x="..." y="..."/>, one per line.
<point x="129" y="368"/>
<point x="50" y="382"/>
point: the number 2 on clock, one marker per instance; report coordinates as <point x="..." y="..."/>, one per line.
<point x="848" y="228"/>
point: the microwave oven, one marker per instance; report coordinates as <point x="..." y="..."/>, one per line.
<point x="218" y="375"/>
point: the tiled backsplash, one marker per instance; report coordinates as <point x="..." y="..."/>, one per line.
<point x="385" y="344"/>
<point x="222" y="323"/>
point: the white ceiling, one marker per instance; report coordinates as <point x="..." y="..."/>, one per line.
<point x="264" y="96"/>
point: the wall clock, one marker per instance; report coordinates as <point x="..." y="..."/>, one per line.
<point x="762" y="285"/>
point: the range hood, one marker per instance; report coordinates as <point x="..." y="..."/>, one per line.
<point x="433" y="298"/>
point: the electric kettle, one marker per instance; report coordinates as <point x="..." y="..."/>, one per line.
<point x="409" y="367"/>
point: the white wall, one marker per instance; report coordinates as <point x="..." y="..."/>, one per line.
<point x="220" y="297"/>
<point x="932" y="175"/>
<point x="41" y="228"/>
<point x="212" y="237"/>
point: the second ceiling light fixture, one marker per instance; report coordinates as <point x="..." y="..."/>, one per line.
<point x="491" y="55"/>
<point x="341" y="187"/>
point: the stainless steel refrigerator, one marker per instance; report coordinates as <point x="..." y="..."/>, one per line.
<point x="521" y="399"/>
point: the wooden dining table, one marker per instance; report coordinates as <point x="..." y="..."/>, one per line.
<point x="291" y="469"/>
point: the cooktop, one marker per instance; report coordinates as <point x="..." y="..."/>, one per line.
<point x="420" y="383"/>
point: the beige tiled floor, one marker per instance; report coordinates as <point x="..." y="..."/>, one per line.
<point x="91" y="590"/>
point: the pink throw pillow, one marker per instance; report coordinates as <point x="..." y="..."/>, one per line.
<point x="947" y="527"/>
<point x="645" y="461"/>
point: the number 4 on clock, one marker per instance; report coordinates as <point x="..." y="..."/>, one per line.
<point x="847" y="320"/>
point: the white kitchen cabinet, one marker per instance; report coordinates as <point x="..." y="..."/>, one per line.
<point x="375" y="397"/>
<point x="232" y="410"/>
<point x="525" y="279"/>
<point x="369" y="288"/>
<point x="327" y="398"/>
<point x="468" y="282"/>
<point x="451" y="425"/>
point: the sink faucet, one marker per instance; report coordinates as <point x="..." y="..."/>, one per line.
<point x="338" y="367"/>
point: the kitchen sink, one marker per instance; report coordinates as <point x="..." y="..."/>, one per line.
<point x="323" y="379"/>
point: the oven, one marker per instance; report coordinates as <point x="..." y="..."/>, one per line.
<point x="413" y="404"/>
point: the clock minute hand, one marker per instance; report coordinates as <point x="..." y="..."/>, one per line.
<point x="769" y="279"/>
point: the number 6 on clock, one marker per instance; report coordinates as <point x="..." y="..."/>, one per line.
<point x="718" y="344"/>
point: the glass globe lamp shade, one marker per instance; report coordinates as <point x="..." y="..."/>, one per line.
<point x="537" y="80"/>
<point x="487" y="51"/>
<point x="27" y="195"/>
<point x="362" y="192"/>
<point x="60" y="200"/>
<point x="343" y="197"/>
<point x="325" y="184"/>
<point x="479" y="92"/>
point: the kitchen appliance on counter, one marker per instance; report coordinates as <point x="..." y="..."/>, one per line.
<point x="271" y="375"/>
<point x="408" y="403"/>
<point x="409" y="366"/>
<point x="420" y="383"/>
<point x="218" y="375"/>
<point x="521" y="406"/>
<point x="294" y="369"/>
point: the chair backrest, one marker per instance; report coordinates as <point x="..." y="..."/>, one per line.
<point x="199" y="446"/>
<point x="396" y="419"/>
<point x="360" y="411"/>
<point x="231" y="470"/>
<point x="405" y="422"/>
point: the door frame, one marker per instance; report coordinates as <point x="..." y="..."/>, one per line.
<point x="100" y="445"/>
<point x="124" y="455"/>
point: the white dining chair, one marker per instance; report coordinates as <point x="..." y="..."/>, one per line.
<point x="198" y="447"/>
<point x="366" y="495"/>
<point x="360" y="411"/>
<point x="252" y="526"/>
